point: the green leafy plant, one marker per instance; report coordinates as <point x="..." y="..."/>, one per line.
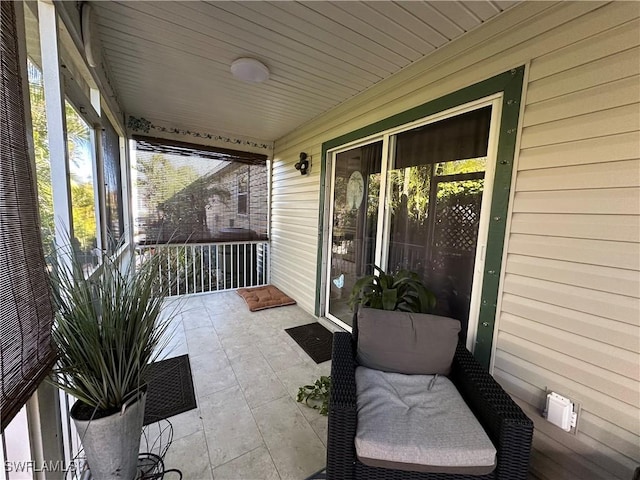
<point x="402" y="291"/>
<point x="109" y="326"/>
<point x="316" y="396"/>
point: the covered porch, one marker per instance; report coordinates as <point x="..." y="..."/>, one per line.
<point x="551" y="297"/>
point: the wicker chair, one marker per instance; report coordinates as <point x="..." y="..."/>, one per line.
<point x="505" y="423"/>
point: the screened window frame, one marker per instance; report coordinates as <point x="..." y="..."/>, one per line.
<point x="200" y="231"/>
<point x="87" y="113"/>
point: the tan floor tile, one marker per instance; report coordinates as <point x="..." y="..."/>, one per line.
<point x="255" y="465"/>
<point x="189" y="455"/>
<point x="211" y="373"/>
<point x="202" y="339"/>
<point x="229" y="426"/>
<point x="296" y="450"/>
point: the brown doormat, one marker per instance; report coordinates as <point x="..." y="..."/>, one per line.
<point x="259" y="298"/>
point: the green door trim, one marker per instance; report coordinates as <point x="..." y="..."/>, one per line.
<point x="510" y="84"/>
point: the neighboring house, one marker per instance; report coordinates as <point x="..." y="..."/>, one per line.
<point x="245" y="209"/>
<point x="229" y="203"/>
<point x="567" y="283"/>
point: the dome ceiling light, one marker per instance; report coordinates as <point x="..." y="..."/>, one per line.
<point x="249" y="70"/>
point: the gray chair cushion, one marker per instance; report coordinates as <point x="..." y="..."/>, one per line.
<point x="401" y="342"/>
<point x="404" y="425"/>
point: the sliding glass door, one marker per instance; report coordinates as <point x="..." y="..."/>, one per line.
<point x="354" y="212"/>
<point x="427" y="214"/>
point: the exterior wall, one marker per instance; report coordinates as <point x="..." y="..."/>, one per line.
<point x="224" y="216"/>
<point x="569" y="313"/>
<point x="570" y="304"/>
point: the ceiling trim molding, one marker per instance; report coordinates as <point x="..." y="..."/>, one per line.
<point x="141" y="125"/>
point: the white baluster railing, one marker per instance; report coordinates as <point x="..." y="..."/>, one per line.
<point x="210" y="267"/>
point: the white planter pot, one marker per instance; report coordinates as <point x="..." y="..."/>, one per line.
<point x="111" y="444"/>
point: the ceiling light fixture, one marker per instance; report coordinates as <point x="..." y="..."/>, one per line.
<point x="249" y="70"/>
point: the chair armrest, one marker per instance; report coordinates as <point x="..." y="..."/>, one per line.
<point x="343" y="370"/>
<point x="509" y="428"/>
<point x="343" y="417"/>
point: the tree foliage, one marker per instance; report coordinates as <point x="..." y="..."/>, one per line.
<point x="159" y="179"/>
<point x="175" y="197"/>
<point x="411" y="186"/>
<point x="78" y="145"/>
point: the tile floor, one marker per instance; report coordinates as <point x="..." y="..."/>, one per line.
<point x="246" y="371"/>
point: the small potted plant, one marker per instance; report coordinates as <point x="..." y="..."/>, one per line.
<point x="402" y="291"/>
<point x="109" y="326"/>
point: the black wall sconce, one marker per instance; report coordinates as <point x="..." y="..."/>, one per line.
<point x="303" y="164"/>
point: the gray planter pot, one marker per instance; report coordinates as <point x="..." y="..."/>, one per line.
<point x="111" y="444"/>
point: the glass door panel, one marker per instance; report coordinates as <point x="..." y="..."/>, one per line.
<point x="434" y="199"/>
<point x="354" y="210"/>
<point x="408" y="207"/>
<point x="433" y="229"/>
<point x="452" y="253"/>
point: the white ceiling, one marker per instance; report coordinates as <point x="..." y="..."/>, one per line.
<point x="170" y="60"/>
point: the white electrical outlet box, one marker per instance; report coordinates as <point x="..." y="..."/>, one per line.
<point x="560" y="412"/>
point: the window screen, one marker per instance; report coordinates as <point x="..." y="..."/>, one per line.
<point x="26" y="352"/>
<point x="112" y="184"/>
<point x="190" y="193"/>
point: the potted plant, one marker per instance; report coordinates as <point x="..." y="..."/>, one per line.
<point x="402" y="291"/>
<point x="109" y="326"/>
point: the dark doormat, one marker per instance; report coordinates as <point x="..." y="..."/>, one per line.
<point x="169" y="389"/>
<point x="314" y="339"/>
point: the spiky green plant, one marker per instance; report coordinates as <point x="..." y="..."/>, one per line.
<point x="109" y="326"/>
<point x="403" y="291"/>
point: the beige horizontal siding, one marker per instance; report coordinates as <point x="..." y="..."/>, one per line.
<point x="592" y="400"/>
<point x="622" y="228"/>
<point x="605" y="330"/>
<point x="593" y="252"/>
<point x="597" y="378"/>
<point x="598" y="124"/>
<point x="607" y="39"/>
<point x="590" y="425"/>
<point x="576" y="458"/>
<point x="624" y="146"/>
<point x="569" y="306"/>
<point x="601" y="71"/>
<point x="601" y="97"/>
<point x="595" y="277"/>
<point x="604" y="358"/>
<point x="603" y="304"/>
<point x="620" y="174"/>
<point x="623" y="201"/>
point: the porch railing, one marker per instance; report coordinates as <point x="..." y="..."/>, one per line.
<point x="210" y="267"/>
